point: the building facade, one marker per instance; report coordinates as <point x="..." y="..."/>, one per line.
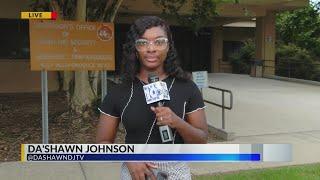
<point x="209" y="49"/>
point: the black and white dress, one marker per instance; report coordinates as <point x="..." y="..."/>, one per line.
<point x="127" y="102"/>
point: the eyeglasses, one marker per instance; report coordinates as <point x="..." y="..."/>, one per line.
<point x="158" y="44"/>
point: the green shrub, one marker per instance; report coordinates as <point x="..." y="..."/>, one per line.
<point x="317" y="74"/>
<point x="295" y="62"/>
<point x="241" y="60"/>
<point x="291" y="61"/>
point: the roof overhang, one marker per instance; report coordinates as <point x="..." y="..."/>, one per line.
<point x="243" y="8"/>
<point x="130" y="9"/>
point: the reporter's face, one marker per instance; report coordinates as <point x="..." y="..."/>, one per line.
<point x="152" y="48"/>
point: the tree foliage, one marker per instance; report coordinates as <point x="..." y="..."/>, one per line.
<point x="241" y="60"/>
<point x="301" y="27"/>
<point x="298" y="45"/>
<point x="97" y="10"/>
<point x="296" y="62"/>
<point x="65" y="8"/>
<point x="202" y="11"/>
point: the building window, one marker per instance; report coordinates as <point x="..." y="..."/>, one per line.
<point x="229" y="48"/>
<point x="14" y="39"/>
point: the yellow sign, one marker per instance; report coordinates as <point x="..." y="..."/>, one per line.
<point x="38" y="15"/>
<point x="71" y="45"/>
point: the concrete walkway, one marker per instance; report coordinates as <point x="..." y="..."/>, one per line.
<point x="264" y="106"/>
<point x="265" y="111"/>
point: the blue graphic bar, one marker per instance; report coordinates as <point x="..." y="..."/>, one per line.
<point x="144" y="157"/>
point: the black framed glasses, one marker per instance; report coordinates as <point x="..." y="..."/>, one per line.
<point x="158" y="44"/>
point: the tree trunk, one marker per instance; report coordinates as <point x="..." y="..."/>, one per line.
<point x="115" y="10"/>
<point x="83" y="95"/>
<point x="67" y="77"/>
<point x="115" y="6"/>
<point x="95" y="82"/>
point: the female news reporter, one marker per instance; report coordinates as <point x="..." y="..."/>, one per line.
<point x="148" y="49"/>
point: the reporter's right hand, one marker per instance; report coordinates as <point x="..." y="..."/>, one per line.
<point x="140" y="170"/>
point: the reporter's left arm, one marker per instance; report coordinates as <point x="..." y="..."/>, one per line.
<point x="193" y="131"/>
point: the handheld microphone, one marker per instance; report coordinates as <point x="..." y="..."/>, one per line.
<point x="152" y="78"/>
<point x="165" y="131"/>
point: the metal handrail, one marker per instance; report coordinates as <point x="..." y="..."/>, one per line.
<point x="222" y="106"/>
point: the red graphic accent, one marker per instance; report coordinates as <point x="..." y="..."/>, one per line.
<point x="54" y="15"/>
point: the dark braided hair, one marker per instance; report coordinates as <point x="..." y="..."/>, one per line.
<point x="131" y="63"/>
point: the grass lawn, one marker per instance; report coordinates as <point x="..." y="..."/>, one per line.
<point x="309" y="172"/>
